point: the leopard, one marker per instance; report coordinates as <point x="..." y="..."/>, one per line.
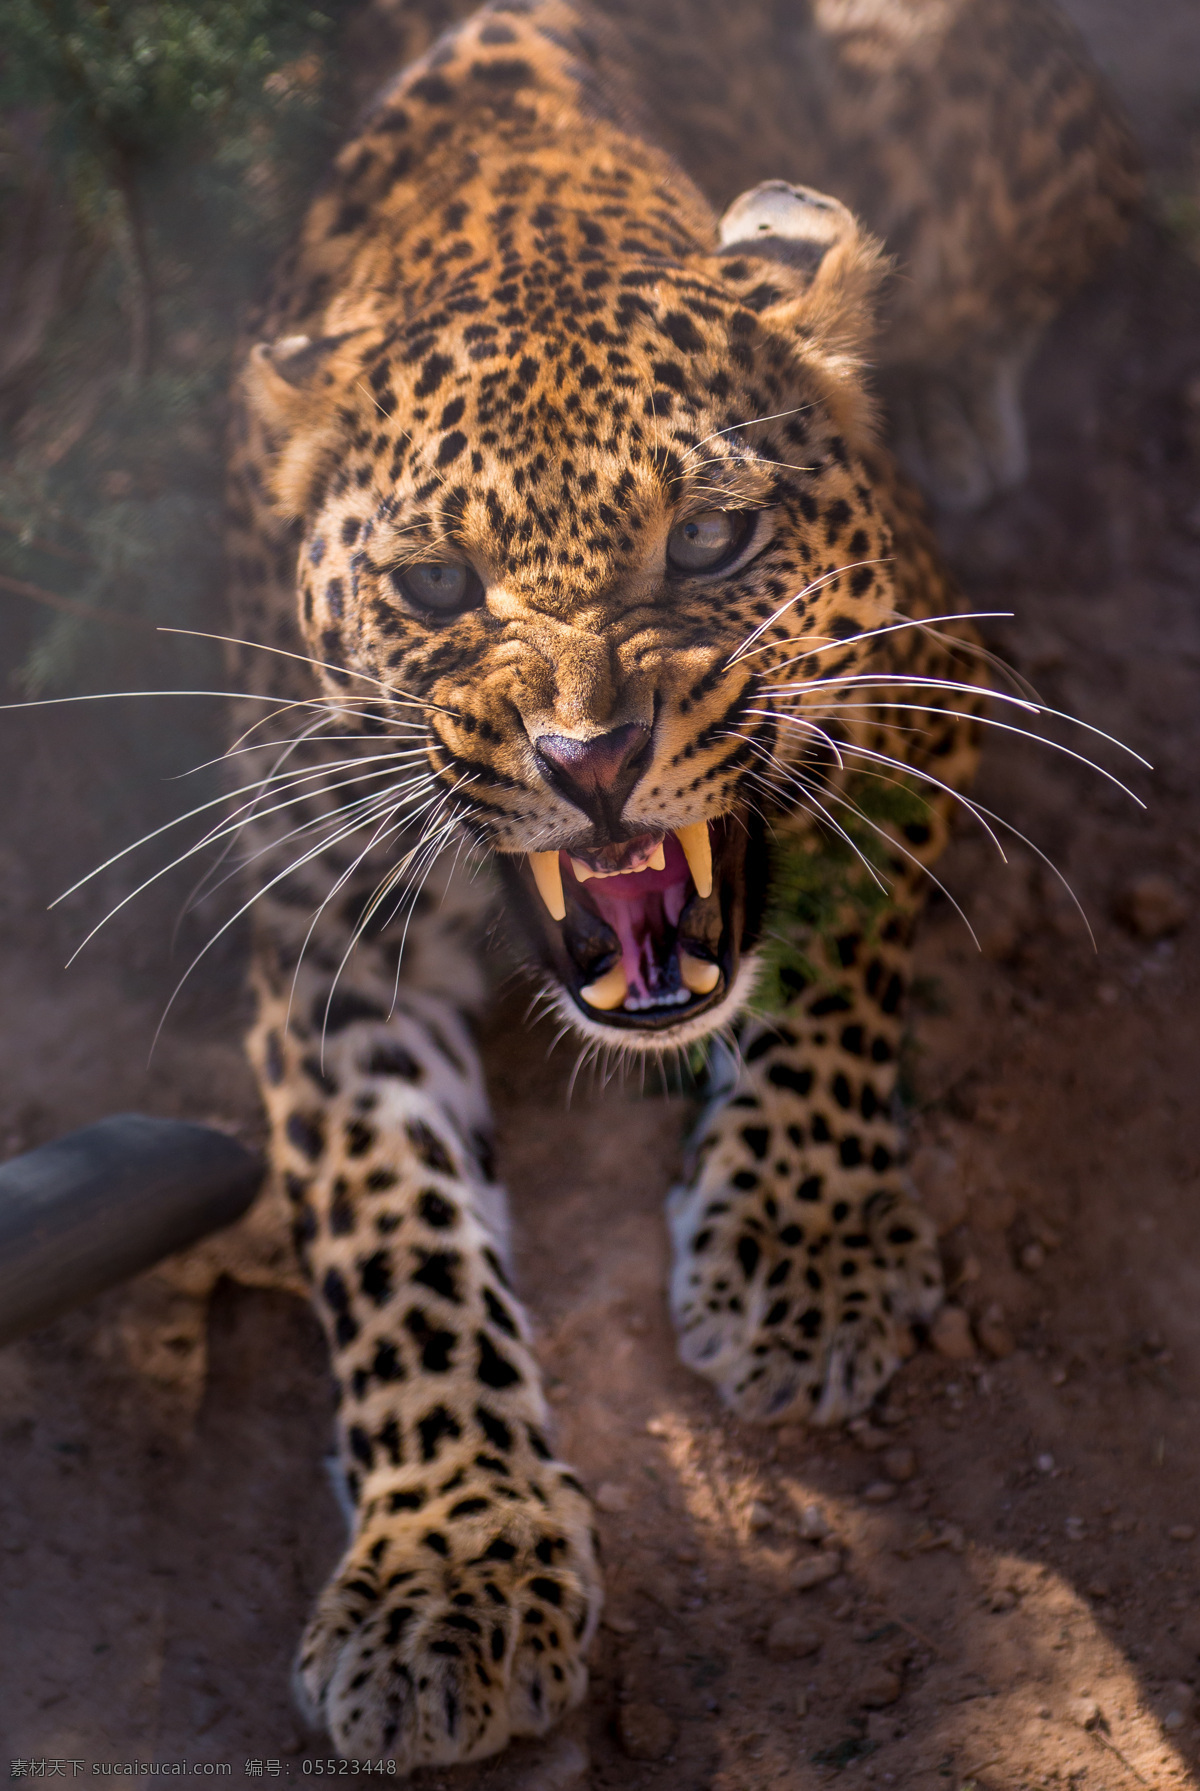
<point x="578" y="591"/>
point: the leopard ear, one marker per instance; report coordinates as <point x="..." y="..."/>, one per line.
<point x="289" y="391"/>
<point x="808" y="271"/>
<point x="792" y="225"/>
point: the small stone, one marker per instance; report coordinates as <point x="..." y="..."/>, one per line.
<point x="1044" y="1464"/>
<point x="950" y="1334"/>
<point x="1182" y="1532"/>
<point x="814" y="1570"/>
<point x="646" y="1731"/>
<point x="994" y="1334"/>
<point x="612" y="1498"/>
<point x="1173" y="1721"/>
<point x="1003" y="1599"/>
<point x="801" y="1703"/>
<point x="878" y="1688"/>
<point x="1180" y="1697"/>
<point x="868" y="1436"/>
<point x="1152" y="907"/>
<point x="565" y="1767"/>
<point x="1074" y="1529"/>
<point x="814" y="1525"/>
<point x="939" y="1182"/>
<point x="1098" y="1589"/>
<point x="1086" y="1712"/>
<point x="1033" y="1257"/>
<point x="879" y="1492"/>
<point x="619" y="1623"/>
<point x="899" y="1464"/>
<point x="790" y="1637"/>
<point x="761" y="1517"/>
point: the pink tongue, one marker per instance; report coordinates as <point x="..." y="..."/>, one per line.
<point x="635" y="928"/>
<point x="639" y="906"/>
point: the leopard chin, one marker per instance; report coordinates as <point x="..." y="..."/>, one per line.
<point x="647" y="944"/>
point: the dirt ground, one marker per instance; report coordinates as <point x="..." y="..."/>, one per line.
<point x="993" y="1582"/>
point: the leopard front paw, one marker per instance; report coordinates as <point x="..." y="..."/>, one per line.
<point x="455" y="1623"/>
<point x="795" y="1301"/>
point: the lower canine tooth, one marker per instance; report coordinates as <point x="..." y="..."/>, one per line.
<point x="582" y="871"/>
<point x="697" y="849"/>
<point x="547" y="874"/>
<point x="608" y="991"/>
<point x="697" y="974"/>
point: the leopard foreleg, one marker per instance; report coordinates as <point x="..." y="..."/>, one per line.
<point x="462" y="1610"/>
<point x="800" y="1258"/>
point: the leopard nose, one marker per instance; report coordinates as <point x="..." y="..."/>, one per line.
<point x="596" y="774"/>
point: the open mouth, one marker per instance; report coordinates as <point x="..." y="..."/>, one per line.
<point x="649" y="933"/>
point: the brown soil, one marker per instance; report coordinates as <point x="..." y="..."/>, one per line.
<point x="1013" y="1587"/>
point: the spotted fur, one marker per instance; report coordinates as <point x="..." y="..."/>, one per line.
<point x="511" y="337"/>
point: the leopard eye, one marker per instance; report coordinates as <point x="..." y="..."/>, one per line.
<point x="445" y="588"/>
<point x="707" y="542"/>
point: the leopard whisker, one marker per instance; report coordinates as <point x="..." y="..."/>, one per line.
<point x="383" y="831"/>
<point x="796" y="721"/>
<point x="264" y="889"/>
<point x="434" y="846"/>
<point x="216" y="802"/>
<point x="918" y="681"/>
<point x="1005" y="727"/>
<point x="892" y="843"/>
<point x="368" y="804"/>
<point x="749" y="423"/>
<point x="829" y="643"/>
<point x="206" y="881"/>
<point x="150" y="881"/>
<point x="815" y="807"/>
<point x="382" y="817"/>
<point x="817" y="584"/>
<point x="229" y="830"/>
<point x="912" y="771"/>
<point x="411" y="728"/>
<point x="926" y="777"/>
<point x="403" y="699"/>
<point x="979" y="812"/>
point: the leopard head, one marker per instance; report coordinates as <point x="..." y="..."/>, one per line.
<point x="588" y="515"/>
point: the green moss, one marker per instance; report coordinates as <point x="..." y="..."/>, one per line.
<point x="823" y="881"/>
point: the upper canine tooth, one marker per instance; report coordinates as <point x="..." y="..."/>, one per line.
<point x="657" y="860"/>
<point x="697" y="849"/>
<point x="608" y="991"/>
<point x="547" y="874"/>
<point x="582" y="871"/>
<point x="697" y="974"/>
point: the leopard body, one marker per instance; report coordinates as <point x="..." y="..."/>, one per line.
<point x="512" y="341"/>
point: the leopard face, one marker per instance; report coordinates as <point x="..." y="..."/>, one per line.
<point x="583" y="501"/>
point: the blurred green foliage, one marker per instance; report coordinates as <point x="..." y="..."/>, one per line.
<point x="153" y="156"/>
<point x="830" y="880"/>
